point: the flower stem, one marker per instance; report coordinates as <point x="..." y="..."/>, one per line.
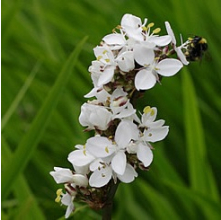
<point x="107" y="209"/>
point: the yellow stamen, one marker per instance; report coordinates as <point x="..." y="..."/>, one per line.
<point x="59" y="193"/>
<point x="152" y="112"/>
<point x="57" y="199"/>
<point x="150" y="25"/>
<point x="107" y="60"/>
<point x="105" y="51"/>
<point x="144" y="28"/>
<point x="106" y="149"/>
<point x="99" y="57"/>
<point x="148" y="109"/>
<point x="118" y="27"/>
<point x="84" y="152"/>
<point x="156" y="31"/>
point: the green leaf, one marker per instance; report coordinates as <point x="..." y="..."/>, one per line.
<point x="19" y="96"/>
<point x="130" y="205"/>
<point x="211" y="209"/>
<point x="200" y="173"/>
<point x="28" y="144"/>
<point x="159" y="204"/>
<point x="24" y="196"/>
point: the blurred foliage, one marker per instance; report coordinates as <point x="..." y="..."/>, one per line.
<point x="38" y="36"/>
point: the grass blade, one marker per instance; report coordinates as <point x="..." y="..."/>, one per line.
<point x="157" y="201"/>
<point x="200" y="173"/>
<point x="28" y="144"/>
<point x="22" y="191"/>
<point x="211" y="209"/>
<point x="19" y="96"/>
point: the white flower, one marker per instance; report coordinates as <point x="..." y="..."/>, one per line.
<point x="67" y="200"/>
<point x="63" y="175"/>
<point x="117" y="102"/>
<point x="152" y="131"/>
<point x="178" y="50"/>
<point x="71" y="180"/>
<point x="120" y="105"/>
<point x="137" y="31"/>
<point x="94" y="116"/>
<point x="104" y="55"/>
<point x="112" y="153"/>
<point x="102" y="70"/>
<point x="147" y="77"/>
<point x="133" y="26"/>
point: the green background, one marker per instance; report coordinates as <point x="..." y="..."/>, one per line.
<point x="43" y="84"/>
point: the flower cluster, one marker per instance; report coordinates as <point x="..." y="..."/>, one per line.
<point x="128" y="61"/>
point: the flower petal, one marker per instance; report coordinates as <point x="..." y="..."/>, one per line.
<point x="67" y="200"/>
<point x="128" y="175"/>
<point x="126" y="131"/>
<point x="144" y="154"/>
<point x="181" y="55"/>
<point x="156" y="124"/>
<point x="100" y="146"/>
<point x="96" y="164"/>
<point x="161" y="41"/>
<point x="126" y="61"/>
<point x="69" y="210"/>
<point x="94" y="116"/>
<point x="126" y="111"/>
<point x="118" y="163"/>
<point x="81" y="169"/>
<point x="131" y="21"/>
<point x="100" y="177"/>
<point x="106" y="76"/>
<point x="155" y="134"/>
<point x="168" y="67"/>
<point x="62" y="175"/>
<point x="170" y="32"/>
<point x="143" y="55"/>
<point x="100" y="93"/>
<point x="144" y="80"/>
<point x="80" y="157"/>
<point x="80" y="180"/>
<point x="115" y="41"/>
